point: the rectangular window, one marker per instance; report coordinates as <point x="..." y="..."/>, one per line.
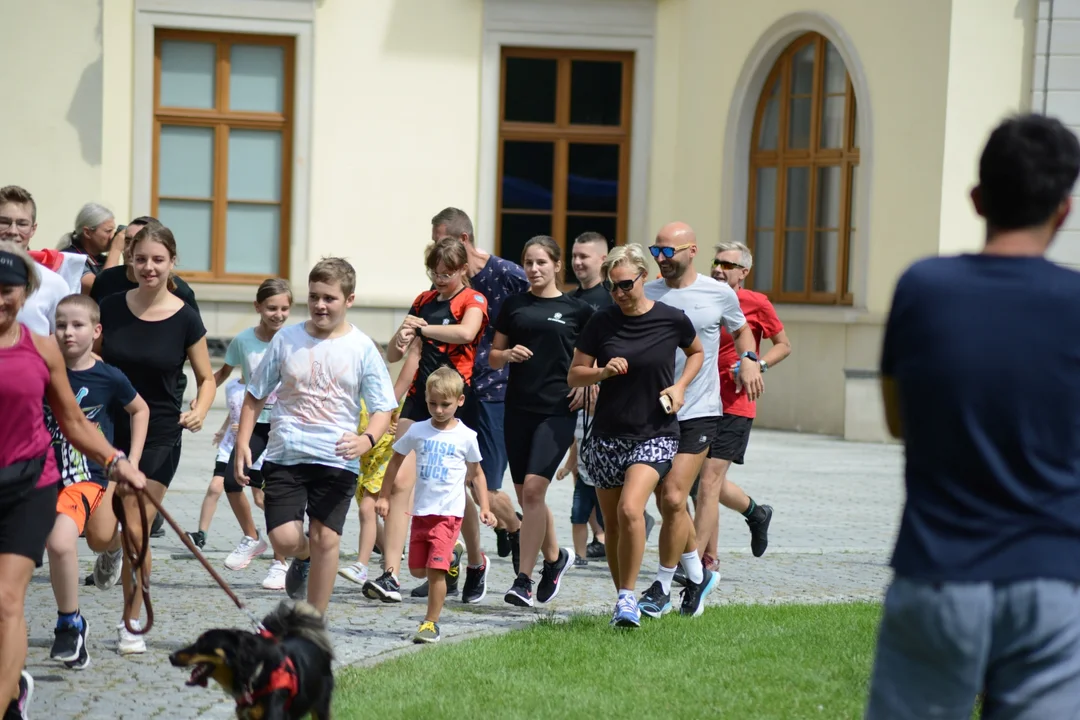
<point x="564" y="147"/>
<point x="223" y="120"/>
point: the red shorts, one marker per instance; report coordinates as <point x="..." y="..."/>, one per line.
<point x="431" y="542"/>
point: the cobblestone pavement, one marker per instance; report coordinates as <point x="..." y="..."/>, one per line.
<point x="837" y="506"/>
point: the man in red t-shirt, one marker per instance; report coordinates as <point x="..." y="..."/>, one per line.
<point x="732" y="265"/>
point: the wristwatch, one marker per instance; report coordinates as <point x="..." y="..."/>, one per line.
<point x="764" y="366"/>
<point x="750" y="354"/>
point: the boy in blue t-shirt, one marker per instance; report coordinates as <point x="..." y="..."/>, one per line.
<point x="84" y="505"/>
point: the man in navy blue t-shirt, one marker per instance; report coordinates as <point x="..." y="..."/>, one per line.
<point x="981" y="379"/>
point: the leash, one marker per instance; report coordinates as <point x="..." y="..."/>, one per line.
<point x="136" y="556"/>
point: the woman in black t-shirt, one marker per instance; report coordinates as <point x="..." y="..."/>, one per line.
<point x="148" y="333"/>
<point x="535" y="333"/>
<point x="630" y="348"/>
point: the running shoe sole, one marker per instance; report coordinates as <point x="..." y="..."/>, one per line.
<point x="714" y="580"/>
<point x="627" y="622"/>
<point x="513" y="598"/>
<point x="374" y="592"/>
<point x="648" y="612"/>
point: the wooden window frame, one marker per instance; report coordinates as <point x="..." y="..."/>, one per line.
<point x="814" y="157"/>
<point x="222" y="120"/>
<point x="562" y="133"/>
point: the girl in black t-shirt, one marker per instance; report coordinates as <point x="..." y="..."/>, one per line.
<point x="630" y="347"/>
<point x="148" y="333"/>
<point x="535" y="334"/>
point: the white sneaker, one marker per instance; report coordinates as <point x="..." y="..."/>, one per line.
<point x="107" y="568"/>
<point x="275" y="578"/>
<point x="129" y="643"/>
<point x="248" y="548"/>
<point x="357" y="573"/>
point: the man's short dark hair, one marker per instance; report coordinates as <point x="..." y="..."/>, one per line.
<point x="590" y="236"/>
<point x="19" y="196"/>
<point x="1027" y="169"/>
<point x="145" y="220"/>
<point x="457" y="222"/>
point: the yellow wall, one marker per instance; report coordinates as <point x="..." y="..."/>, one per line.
<point x="52" y="124"/>
<point x="395" y="134"/>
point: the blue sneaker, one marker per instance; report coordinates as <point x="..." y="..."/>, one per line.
<point x="655" y="602"/>
<point x="626" y="614"/>
<point x="296" y="579"/>
<point x="694" y="594"/>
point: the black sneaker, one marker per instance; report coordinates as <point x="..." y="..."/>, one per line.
<point x="515" y="550"/>
<point x="595" y="550"/>
<point x="83" y="661"/>
<point x="157" y="529"/>
<point x="680" y="578"/>
<point x="502" y="542"/>
<point x="454" y="573"/>
<point x="376" y="550"/>
<point x="759" y="530"/>
<point x="580" y="561"/>
<point x="551" y="576"/>
<point x="67" y="642"/>
<point x="520" y="593"/>
<point x="650" y="523"/>
<point x="694" y="594"/>
<point x="198" y="539"/>
<point x="421" y="590"/>
<point x="655" y="602"/>
<point x="475" y="588"/>
<point x="385" y="588"/>
<point x="296" y="579"/>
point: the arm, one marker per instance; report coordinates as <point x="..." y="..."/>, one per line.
<point x="248" y="414"/>
<point x="139" y="413"/>
<point x="891" y="401"/>
<point x="382" y="504"/>
<point x="571" y="463"/>
<point x="749" y="372"/>
<point x="781" y="348"/>
<point x="87" y="282"/>
<point x="474" y="478"/>
<point x="408" y="370"/>
<point x="500" y="355"/>
<point x="695" y="358"/>
<point x="199" y="356"/>
<point x="461" y="334"/>
<point x="116" y="250"/>
<point x="222" y="375"/>
<point x="583" y="370"/>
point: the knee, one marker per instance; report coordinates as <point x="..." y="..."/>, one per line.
<point x="534" y="494"/>
<point x="12" y="596"/>
<point x="673" y="502"/>
<point x="630" y="516"/>
<point x="323" y="538"/>
<point x="418" y="572"/>
<point x="60" y="543"/>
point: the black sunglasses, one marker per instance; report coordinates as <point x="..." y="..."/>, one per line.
<point x="725" y="264"/>
<point x="624" y="285"/>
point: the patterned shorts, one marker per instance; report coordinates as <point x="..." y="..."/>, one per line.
<point x="607" y="459"/>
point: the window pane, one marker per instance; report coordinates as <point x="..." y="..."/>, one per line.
<point x="762" y="272"/>
<point x="528" y="175"/>
<point x="795" y="261"/>
<point x="187" y="74"/>
<point x="252" y="239"/>
<point x="516" y="231"/>
<point x="594" y="178"/>
<point x="186" y="161"/>
<point x="832" y="122"/>
<point x="255" y="165"/>
<point x="835" y="72"/>
<point x="575" y="225"/>
<point x="257" y="78"/>
<point x="802" y="70"/>
<point x="190" y="224"/>
<point x="765" y="214"/>
<point x="530" y="90"/>
<point x="595" y="92"/>
<point x="769" y="134"/>
<point x="798" y="197"/>
<point x="826" y="260"/>
<point x="799" y="123"/>
<point x="828" y="197"/>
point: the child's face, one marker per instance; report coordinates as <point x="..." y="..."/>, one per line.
<point x="442" y="409"/>
<point x="327" y="304"/>
<point x="274" y="311"/>
<point x="75" y="331"/>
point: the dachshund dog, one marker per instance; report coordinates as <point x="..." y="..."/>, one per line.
<point x="280" y="673"/>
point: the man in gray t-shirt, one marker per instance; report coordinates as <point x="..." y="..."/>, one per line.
<point x="709" y="304"/>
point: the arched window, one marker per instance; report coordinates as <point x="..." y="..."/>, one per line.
<point x="803" y="168"/>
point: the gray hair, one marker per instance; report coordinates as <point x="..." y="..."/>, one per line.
<point x="91" y="215"/>
<point x="747" y="256"/>
<point x="457" y="222"/>
<point x="632" y="255"/>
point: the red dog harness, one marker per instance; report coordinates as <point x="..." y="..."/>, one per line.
<point x="283" y="677"/>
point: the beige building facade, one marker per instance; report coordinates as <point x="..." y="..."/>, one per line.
<point x="840" y="142"/>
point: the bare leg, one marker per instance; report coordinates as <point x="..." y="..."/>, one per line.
<point x="15" y="572"/>
<point x="259" y="497"/>
<point x="242" y="510"/>
<point x="609" y="506"/>
<point x="325" y="547"/>
<point x="210" y="502"/>
<point x="597" y="531"/>
<point x="63" y="549"/>
<point x="677" y="531"/>
<point x="436" y="594"/>
<point x="707" y="517"/>
<point x="100" y="529"/>
<point x="368" y="527"/>
<point x="289" y="540"/>
<point x="470" y="531"/>
<point x="581" y="538"/>
<point x="503" y="508"/>
<point x="396" y="525"/>
<point x="535" y="526"/>
<point x="640" y="482"/>
<point x="732" y="496"/>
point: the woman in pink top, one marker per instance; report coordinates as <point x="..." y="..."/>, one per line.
<point x="32" y="372"/>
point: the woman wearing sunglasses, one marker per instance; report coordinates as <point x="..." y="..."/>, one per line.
<point x="535" y="335"/>
<point x="630" y="348"/>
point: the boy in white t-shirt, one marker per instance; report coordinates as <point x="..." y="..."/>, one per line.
<point x="447" y="459"/>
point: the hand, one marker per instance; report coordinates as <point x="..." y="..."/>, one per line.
<point x="518" y="353"/>
<point x="677" y="397"/>
<point x="563" y="472"/>
<point x="192" y="421"/>
<point x="577" y="397"/>
<point x="218" y="437"/>
<point x="127" y="474"/>
<point x="403" y="338"/>
<point x="243" y="462"/>
<point x="352" y="446"/>
<point x="749" y="379"/>
<point x="193" y="403"/>
<point x="382" y="507"/>
<point x="414" y="323"/>
<point x="615" y="366"/>
<point x="488" y="518"/>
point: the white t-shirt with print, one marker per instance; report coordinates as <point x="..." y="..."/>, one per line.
<point x="441" y="466"/>
<point x="234" y="401"/>
<point x="319" y="385"/>
<point x="708" y="303"/>
<point x="39" y="311"/>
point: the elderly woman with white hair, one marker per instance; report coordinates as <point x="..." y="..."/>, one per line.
<point x="630" y="348"/>
<point x="97" y="237"/>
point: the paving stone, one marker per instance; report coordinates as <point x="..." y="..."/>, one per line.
<point x="837" y="507"/>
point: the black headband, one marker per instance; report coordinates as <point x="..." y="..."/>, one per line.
<point x="12" y="269"/>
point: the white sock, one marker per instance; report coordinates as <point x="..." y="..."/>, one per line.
<point x="691" y="563"/>
<point x="664" y="576"/>
<point x="626" y="592"/>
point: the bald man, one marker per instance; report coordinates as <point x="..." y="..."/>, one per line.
<point x="710" y="305"/>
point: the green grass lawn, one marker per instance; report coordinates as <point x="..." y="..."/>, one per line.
<point x="746" y="662"/>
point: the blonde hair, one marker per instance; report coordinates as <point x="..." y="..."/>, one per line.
<point x="747" y="256"/>
<point x="445" y="383"/>
<point x="32" y="280"/>
<point x="85" y="302"/>
<point x="631" y="255"/>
